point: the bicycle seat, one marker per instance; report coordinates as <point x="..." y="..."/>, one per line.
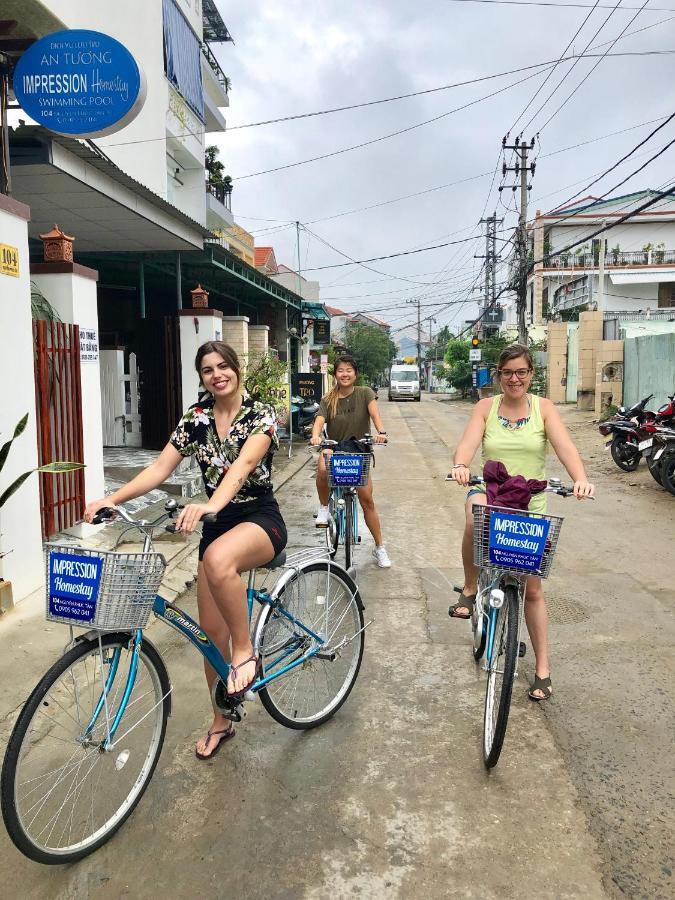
<point x="277" y="562"/>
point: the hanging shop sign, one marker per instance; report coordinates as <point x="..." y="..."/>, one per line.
<point x="307" y="385"/>
<point x="322" y="331"/>
<point x="80" y="83"/>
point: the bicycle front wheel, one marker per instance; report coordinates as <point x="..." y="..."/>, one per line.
<point x="324" y="599"/>
<point x="501" y="672"/>
<point x="63" y="793"/>
<point x="333" y="527"/>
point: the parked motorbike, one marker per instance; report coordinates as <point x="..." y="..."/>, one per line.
<point x="303" y="413"/>
<point x="622" y="433"/>
<point x="664" y="457"/>
<point x="629" y="433"/>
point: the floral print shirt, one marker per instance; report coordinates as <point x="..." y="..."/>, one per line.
<point x="197" y="434"/>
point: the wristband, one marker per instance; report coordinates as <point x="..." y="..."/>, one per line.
<point x="382" y="432"/>
<point x="460" y="466"/>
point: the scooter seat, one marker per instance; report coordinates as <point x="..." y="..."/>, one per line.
<point x="276" y="563"/>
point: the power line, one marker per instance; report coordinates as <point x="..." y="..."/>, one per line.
<point x="561" y="5"/>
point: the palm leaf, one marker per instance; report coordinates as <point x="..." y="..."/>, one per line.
<point x="61" y="466"/>
<point x="4" y="450"/>
<point x="14" y="487"/>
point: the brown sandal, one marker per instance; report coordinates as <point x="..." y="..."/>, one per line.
<point x="543" y="685"/>
<point x="227" y="734"/>
<point x="464" y="602"/>
<point x="256" y="674"/>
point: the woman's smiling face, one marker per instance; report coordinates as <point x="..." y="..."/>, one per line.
<point x="218" y="377"/>
<point x="345" y="375"/>
<point x="516" y="377"/>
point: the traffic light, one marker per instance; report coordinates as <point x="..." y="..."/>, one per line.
<point x="475" y="341"/>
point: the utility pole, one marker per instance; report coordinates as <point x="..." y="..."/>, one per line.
<point x="419" y="336"/>
<point x="522" y="149"/>
<point x="491" y="258"/>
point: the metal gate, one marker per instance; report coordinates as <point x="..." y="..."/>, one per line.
<point x="160" y="380"/>
<point x="58" y="403"/>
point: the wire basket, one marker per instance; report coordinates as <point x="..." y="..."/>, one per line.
<point x="100" y="589"/>
<point x="348" y="477"/>
<point x="516" y="560"/>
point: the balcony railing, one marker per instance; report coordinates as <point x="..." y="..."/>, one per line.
<point x="592" y="260"/>
<point x="222" y="193"/>
<point x="223" y="80"/>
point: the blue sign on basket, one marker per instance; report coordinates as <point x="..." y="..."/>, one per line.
<point x="346" y="470"/>
<point x="81" y="83"/>
<point x="74" y="582"/>
<point x="517" y="542"/>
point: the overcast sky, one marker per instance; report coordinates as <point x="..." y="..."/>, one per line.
<point x="291" y="57"/>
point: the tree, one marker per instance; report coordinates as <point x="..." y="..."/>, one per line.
<point x="213" y="165"/>
<point x="372" y="349"/>
<point x="440" y="344"/>
<point x="459" y="371"/>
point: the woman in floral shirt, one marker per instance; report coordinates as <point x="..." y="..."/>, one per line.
<point x="233" y="439"/>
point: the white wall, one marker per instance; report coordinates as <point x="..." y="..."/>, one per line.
<point x="630" y="236"/>
<point x="309" y="290"/>
<point x="20" y="530"/>
<point x="74" y="299"/>
<point x="209" y="328"/>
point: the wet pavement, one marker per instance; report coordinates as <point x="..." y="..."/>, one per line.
<point x="390" y="798"/>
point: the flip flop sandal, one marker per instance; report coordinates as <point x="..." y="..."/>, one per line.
<point x="256" y="674"/>
<point x="227" y="734"/>
<point x="540" y="684"/>
<point x="466" y="602"/>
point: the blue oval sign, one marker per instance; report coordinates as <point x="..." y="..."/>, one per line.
<point x="80" y="83"/>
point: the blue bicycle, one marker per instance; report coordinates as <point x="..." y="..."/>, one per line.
<point x="347" y="472"/>
<point x="86" y="743"/>
<point x="509" y="545"/>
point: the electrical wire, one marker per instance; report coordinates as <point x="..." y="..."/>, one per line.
<point x="560" y="5"/>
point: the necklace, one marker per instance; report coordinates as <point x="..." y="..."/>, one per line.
<point x="505" y="422"/>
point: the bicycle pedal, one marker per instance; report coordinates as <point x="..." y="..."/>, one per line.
<point x="358" y="540"/>
<point x="522" y="649"/>
<point x="249" y="695"/>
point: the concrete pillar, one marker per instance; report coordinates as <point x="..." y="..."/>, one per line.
<point x="71" y="290"/>
<point x="590" y="339"/>
<point x="235" y="333"/>
<point x="258" y="341"/>
<point x="20" y="529"/>
<point x="196" y="327"/>
<point x="556" y="373"/>
<point x="608" y="375"/>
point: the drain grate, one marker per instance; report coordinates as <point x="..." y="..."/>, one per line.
<point x="563" y="611"/>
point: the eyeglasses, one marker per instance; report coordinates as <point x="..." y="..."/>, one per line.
<point x="518" y="373"/>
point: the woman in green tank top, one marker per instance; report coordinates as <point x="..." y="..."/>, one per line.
<point x="515" y="428"/>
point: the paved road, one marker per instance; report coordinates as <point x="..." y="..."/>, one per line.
<point x="391" y="799"/>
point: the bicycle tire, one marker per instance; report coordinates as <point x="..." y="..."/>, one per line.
<point x="273" y="693"/>
<point x="16" y="753"/>
<point x="479" y="640"/>
<point x="350" y="500"/>
<point x="333" y="528"/>
<point x="505" y="647"/>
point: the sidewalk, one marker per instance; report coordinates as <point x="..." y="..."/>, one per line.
<point x="30" y="644"/>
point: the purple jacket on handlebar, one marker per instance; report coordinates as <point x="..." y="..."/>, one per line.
<point x="513" y="491"/>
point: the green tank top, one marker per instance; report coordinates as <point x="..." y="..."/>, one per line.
<point x="522" y="450"/>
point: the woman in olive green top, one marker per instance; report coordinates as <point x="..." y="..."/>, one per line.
<point x="514" y="428"/>
<point x="346" y="411"/>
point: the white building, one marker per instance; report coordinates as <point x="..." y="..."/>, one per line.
<point x="638" y="258"/>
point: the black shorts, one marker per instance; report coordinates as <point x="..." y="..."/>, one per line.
<point x="263" y="511"/>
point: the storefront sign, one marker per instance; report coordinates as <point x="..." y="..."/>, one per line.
<point x="81" y="83"/>
<point x="322" y="331"/>
<point x="280" y="396"/>
<point x="9" y="260"/>
<point x="517" y="542"/>
<point x="88" y="345"/>
<point x="307" y="385"/>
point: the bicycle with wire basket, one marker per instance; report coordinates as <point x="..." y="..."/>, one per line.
<point x="86" y="743"/>
<point x="347" y="471"/>
<point x="509" y="544"/>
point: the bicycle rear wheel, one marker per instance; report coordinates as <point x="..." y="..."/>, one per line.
<point x="501" y="672"/>
<point x="63" y="794"/>
<point x="325" y="599"/>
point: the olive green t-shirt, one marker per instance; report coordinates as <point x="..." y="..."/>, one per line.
<point x="352" y="418"/>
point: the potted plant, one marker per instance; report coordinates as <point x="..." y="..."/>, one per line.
<point x="579" y="255"/>
<point x="647" y="249"/>
<point x="615" y="254"/>
<point x="659" y="252"/>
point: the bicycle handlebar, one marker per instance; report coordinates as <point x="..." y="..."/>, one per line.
<point x="108" y="514"/>
<point x="554" y="486"/>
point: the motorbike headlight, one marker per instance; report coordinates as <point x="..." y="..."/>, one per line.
<point x="604" y="429"/>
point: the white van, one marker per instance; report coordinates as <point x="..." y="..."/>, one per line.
<point x="404" y="382"/>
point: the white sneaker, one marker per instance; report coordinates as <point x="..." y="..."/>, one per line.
<point x="322" y="517"/>
<point x="381" y="557"/>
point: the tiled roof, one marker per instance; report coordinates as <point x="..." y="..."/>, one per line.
<point x="263" y="256"/>
<point x="372" y="318"/>
<point x="334" y="311"/>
